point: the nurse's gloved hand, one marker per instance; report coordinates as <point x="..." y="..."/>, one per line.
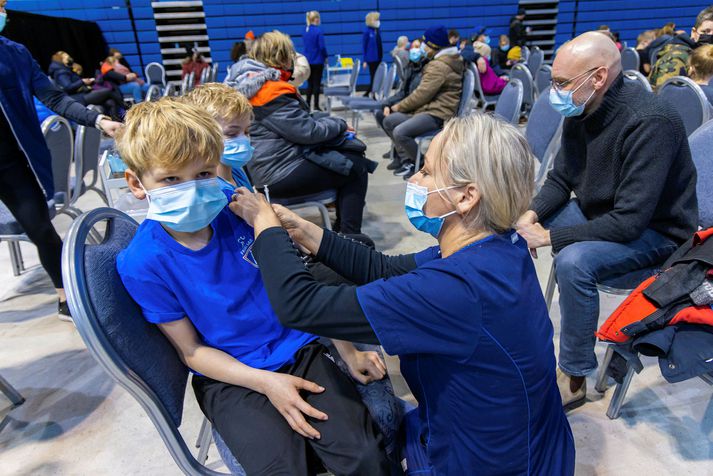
<point x="365" y="367"/>
<point x="283" y="391"/>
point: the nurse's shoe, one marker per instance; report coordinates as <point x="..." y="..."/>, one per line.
<point x="570" y="399"/>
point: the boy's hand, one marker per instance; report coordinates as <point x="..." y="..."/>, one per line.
<point x="283" y="391"/>
<point x="254" y="209"/>
<point x="365" y="367"/>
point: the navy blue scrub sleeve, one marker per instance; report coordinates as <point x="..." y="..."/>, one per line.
<point x="301" y="302"/>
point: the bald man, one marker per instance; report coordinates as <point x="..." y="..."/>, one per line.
<point x="625" y="157"/>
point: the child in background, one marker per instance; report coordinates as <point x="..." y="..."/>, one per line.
<point x="490" y="82"/>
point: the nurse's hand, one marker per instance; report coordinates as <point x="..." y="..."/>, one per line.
<point x="304" y="233"/>
<point x="254" y="209"/>
<point x="365" y="367"/>
<point x="283" y="391"/>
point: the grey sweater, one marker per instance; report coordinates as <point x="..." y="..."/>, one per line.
<point x="630" y="167"/>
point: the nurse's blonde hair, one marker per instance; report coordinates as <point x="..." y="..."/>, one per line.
<point x="495" y="157"/>
<point x="372" y="18"/>
<point x="313" y="18"/>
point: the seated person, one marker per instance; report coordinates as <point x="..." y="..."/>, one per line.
<point x="234" y="115"/>
<point x="700" y="69"/>
<point x="499" y="59"/>
<point x="127" y="81"/>
<point x="491" y="83"/>
<point x="81" y="89"/>
<point x="625" y="157"/>
<point x="274" y="395"/>
<point x="412" y="71"/>
<point x="434" y="101"/>
<point x="292" y="148"/>
<point x="642" y="48"/>
<point x="194" y="63"/>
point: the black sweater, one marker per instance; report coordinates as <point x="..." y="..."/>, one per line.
<point x="630" y="167"/>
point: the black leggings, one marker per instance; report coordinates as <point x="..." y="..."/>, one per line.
<point x="107" y="98"/>
<point x="314" y="83"/>
<point x="22" y="195"/>
<point x="310" y="178"/>
<point x="373" y="65"/>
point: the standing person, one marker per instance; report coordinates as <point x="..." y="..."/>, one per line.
<point x="316" y="54"/>
<point x="518" y="32"/>
<point x="372" y="48"/>
<point x="625" y="157"/>
<point x="25" y="161"/>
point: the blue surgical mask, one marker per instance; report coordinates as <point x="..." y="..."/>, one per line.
<point x="3" y="20"/>
<point x="415" y="54"/>
<point x="187" y="207"/>
<point x="505" y="47"/>
<point x="237" y="151"/>
<point x="563" y="101"/>
<point x="416" y="197"/>
<point x="486" y="40"/>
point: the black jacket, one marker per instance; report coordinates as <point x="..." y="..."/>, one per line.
<point x="517" y="33"/>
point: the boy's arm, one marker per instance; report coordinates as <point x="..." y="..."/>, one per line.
<point x="364" y="367"/>
<point x="283" y="390"/>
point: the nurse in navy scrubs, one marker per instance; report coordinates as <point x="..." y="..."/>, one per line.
<point x="466" y="318"/>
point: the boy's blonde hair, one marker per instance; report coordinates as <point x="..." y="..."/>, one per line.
<point x="701" y="61"/>
<point x="273" y="49"/>
<point x="168" y="133"/>
<point x="220" y="101"/>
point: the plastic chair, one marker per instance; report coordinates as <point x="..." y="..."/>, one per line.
<point x="688" y="99"/>
<point x="543" y="78"/>
<point x="483" y="100"/>
<point x="543" y="133"/>
<point x="635" y="76"/>
<point x="630" y="59"/>
<point x="509" y="103"/>
<point x="701" y="142"/>
<point x="525" y="53"/>
<point x="154" y="92"/>
<point x="11" y="394"/>
<point x="86" y="159"/>
<point x="343" y="91"/>
<point x="521" y="72"/>
<point x="132" y="351"/>
<point x="155" y="74"/>
<point x="214" y="72"/>
<point x="13" y="234"/>
<point x="383" y="82"/>
<point x="206" y="74"/>
<point x="316" y="200"/>
<point x="537" y="56"/>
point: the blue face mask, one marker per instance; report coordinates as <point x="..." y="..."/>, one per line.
<point x="187" y="207"/>
<point x="415" y="54"/>
<point x="237" y="151"/>
<point x="486" y="40"/>
<point x="3" y="20"/>
<point x="416" y="197"/>
<point x="563" y="101"/>
<point x="505" y="47"/>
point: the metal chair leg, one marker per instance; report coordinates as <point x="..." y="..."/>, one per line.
<point x="417" y="165"/>
<point x="550" y="289"/>
<point x="326" y="222"/>
<point x="602" y="377"/>
<point x="203" y="442"/>
<point x="617" y="399"/>
<point x="13" y="395"/>
<point x="18" y="264"/>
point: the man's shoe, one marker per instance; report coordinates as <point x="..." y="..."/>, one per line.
<point x="395" y="164"/>
<point x="63" y="312"/>
<point x="404" y="170"/>
<point x="570" y="399"/>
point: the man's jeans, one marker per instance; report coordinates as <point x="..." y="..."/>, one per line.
<point x="135" y="89"/>
<point x="578" y="269"/>
<point x="404" y="128"/>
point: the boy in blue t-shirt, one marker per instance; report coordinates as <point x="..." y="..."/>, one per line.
<point x="274" y="394"/>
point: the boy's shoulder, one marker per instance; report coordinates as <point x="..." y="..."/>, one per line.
<point x="144" y="249"/>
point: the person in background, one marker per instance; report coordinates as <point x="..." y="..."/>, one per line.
<point x="238" y="51"/>
<point x="700" y="69"/>
<point x="673" y="57"/>
<point x="433" y="102"/>
<point x="249" y="40"/>
<point x="489" y="80"/>
<point x="467" y="51"/>
<point x="372" y="48"/>
<point x="26" y="182"/>
<point x="316" y="54"/>
<point x="517" y="32"/>
<point x="81" y="89"/>
<point x="617" y="40"/>
<point x="499" y="56"/>
<point x="454" y="37"/>
<point x="120" y="58"/>
<point x="642" y="48"/>
<point x="125" y="80"/>
<point x="401" y="50"/>
<point x="194" y="63"/>
<point x="301" y="70"/>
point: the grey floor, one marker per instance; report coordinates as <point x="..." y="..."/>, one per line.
<point x="76" y="421"/>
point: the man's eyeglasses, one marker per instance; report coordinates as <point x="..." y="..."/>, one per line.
<point x="560" y="85"/>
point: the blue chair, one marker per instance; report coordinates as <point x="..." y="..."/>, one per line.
<point x="373" y="102"/>
<point x="701" y="143"/>
<point x="629" y="59"/>
<point x="316" y="200"/>
<point x="87" y="141"/>
<point x="155" y="74"/>
<point x="535" y="60"/>
<point x="509" y="103"/>
<point x="543" y="133"/>
<point x="636" y="77"/>
<point x="483" y="100"/>
<point x="343" y="91"/>
<point x="688" y="99"/>
<point x="521" y="72"/>
<point x="543" y="78"/>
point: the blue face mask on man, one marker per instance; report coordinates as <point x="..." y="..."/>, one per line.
<point x="415" y="54"/>
<point x="563" y="101"/>
<point x="416" y="197"/>
<point x="237" y="151"/>
<point x="188" y="206"/>
<point x="505" y="47"/>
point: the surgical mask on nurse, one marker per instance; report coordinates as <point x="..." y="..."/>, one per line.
<point x="415" y="201"/>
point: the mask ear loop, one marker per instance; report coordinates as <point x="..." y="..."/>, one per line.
<point x="148" y="196"/>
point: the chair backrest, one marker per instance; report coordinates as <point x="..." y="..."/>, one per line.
<point x="132" y="351"/>
<point x="701" y="143"/>
<point x="525" y="53"/>
<point x="60" y="141"/>
<point x="155" y="74"/>
<point x="389" y="81"/>
<point x="379" y="78"/>
<point x="544" y="128"/>
<point x="355" y="75"/>
<point x="509" y="103"/>
<point x="400" y="66"/>
<point x="688" y="99"/>
<point x="466" y="95"/>
<point x="214" y="72"/>
<point x="477" y="85"/>
<point x="154" y="92"/>
<point x="630" y="59"/>
<point x="521" y="72"/>
<point x="543" y="78"/>
<point x="86" y="155"/>
<point x="537" y="56"/>
<point x="635" y="76"/>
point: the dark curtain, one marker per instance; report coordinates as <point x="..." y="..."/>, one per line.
<point x="44" y="35"/>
